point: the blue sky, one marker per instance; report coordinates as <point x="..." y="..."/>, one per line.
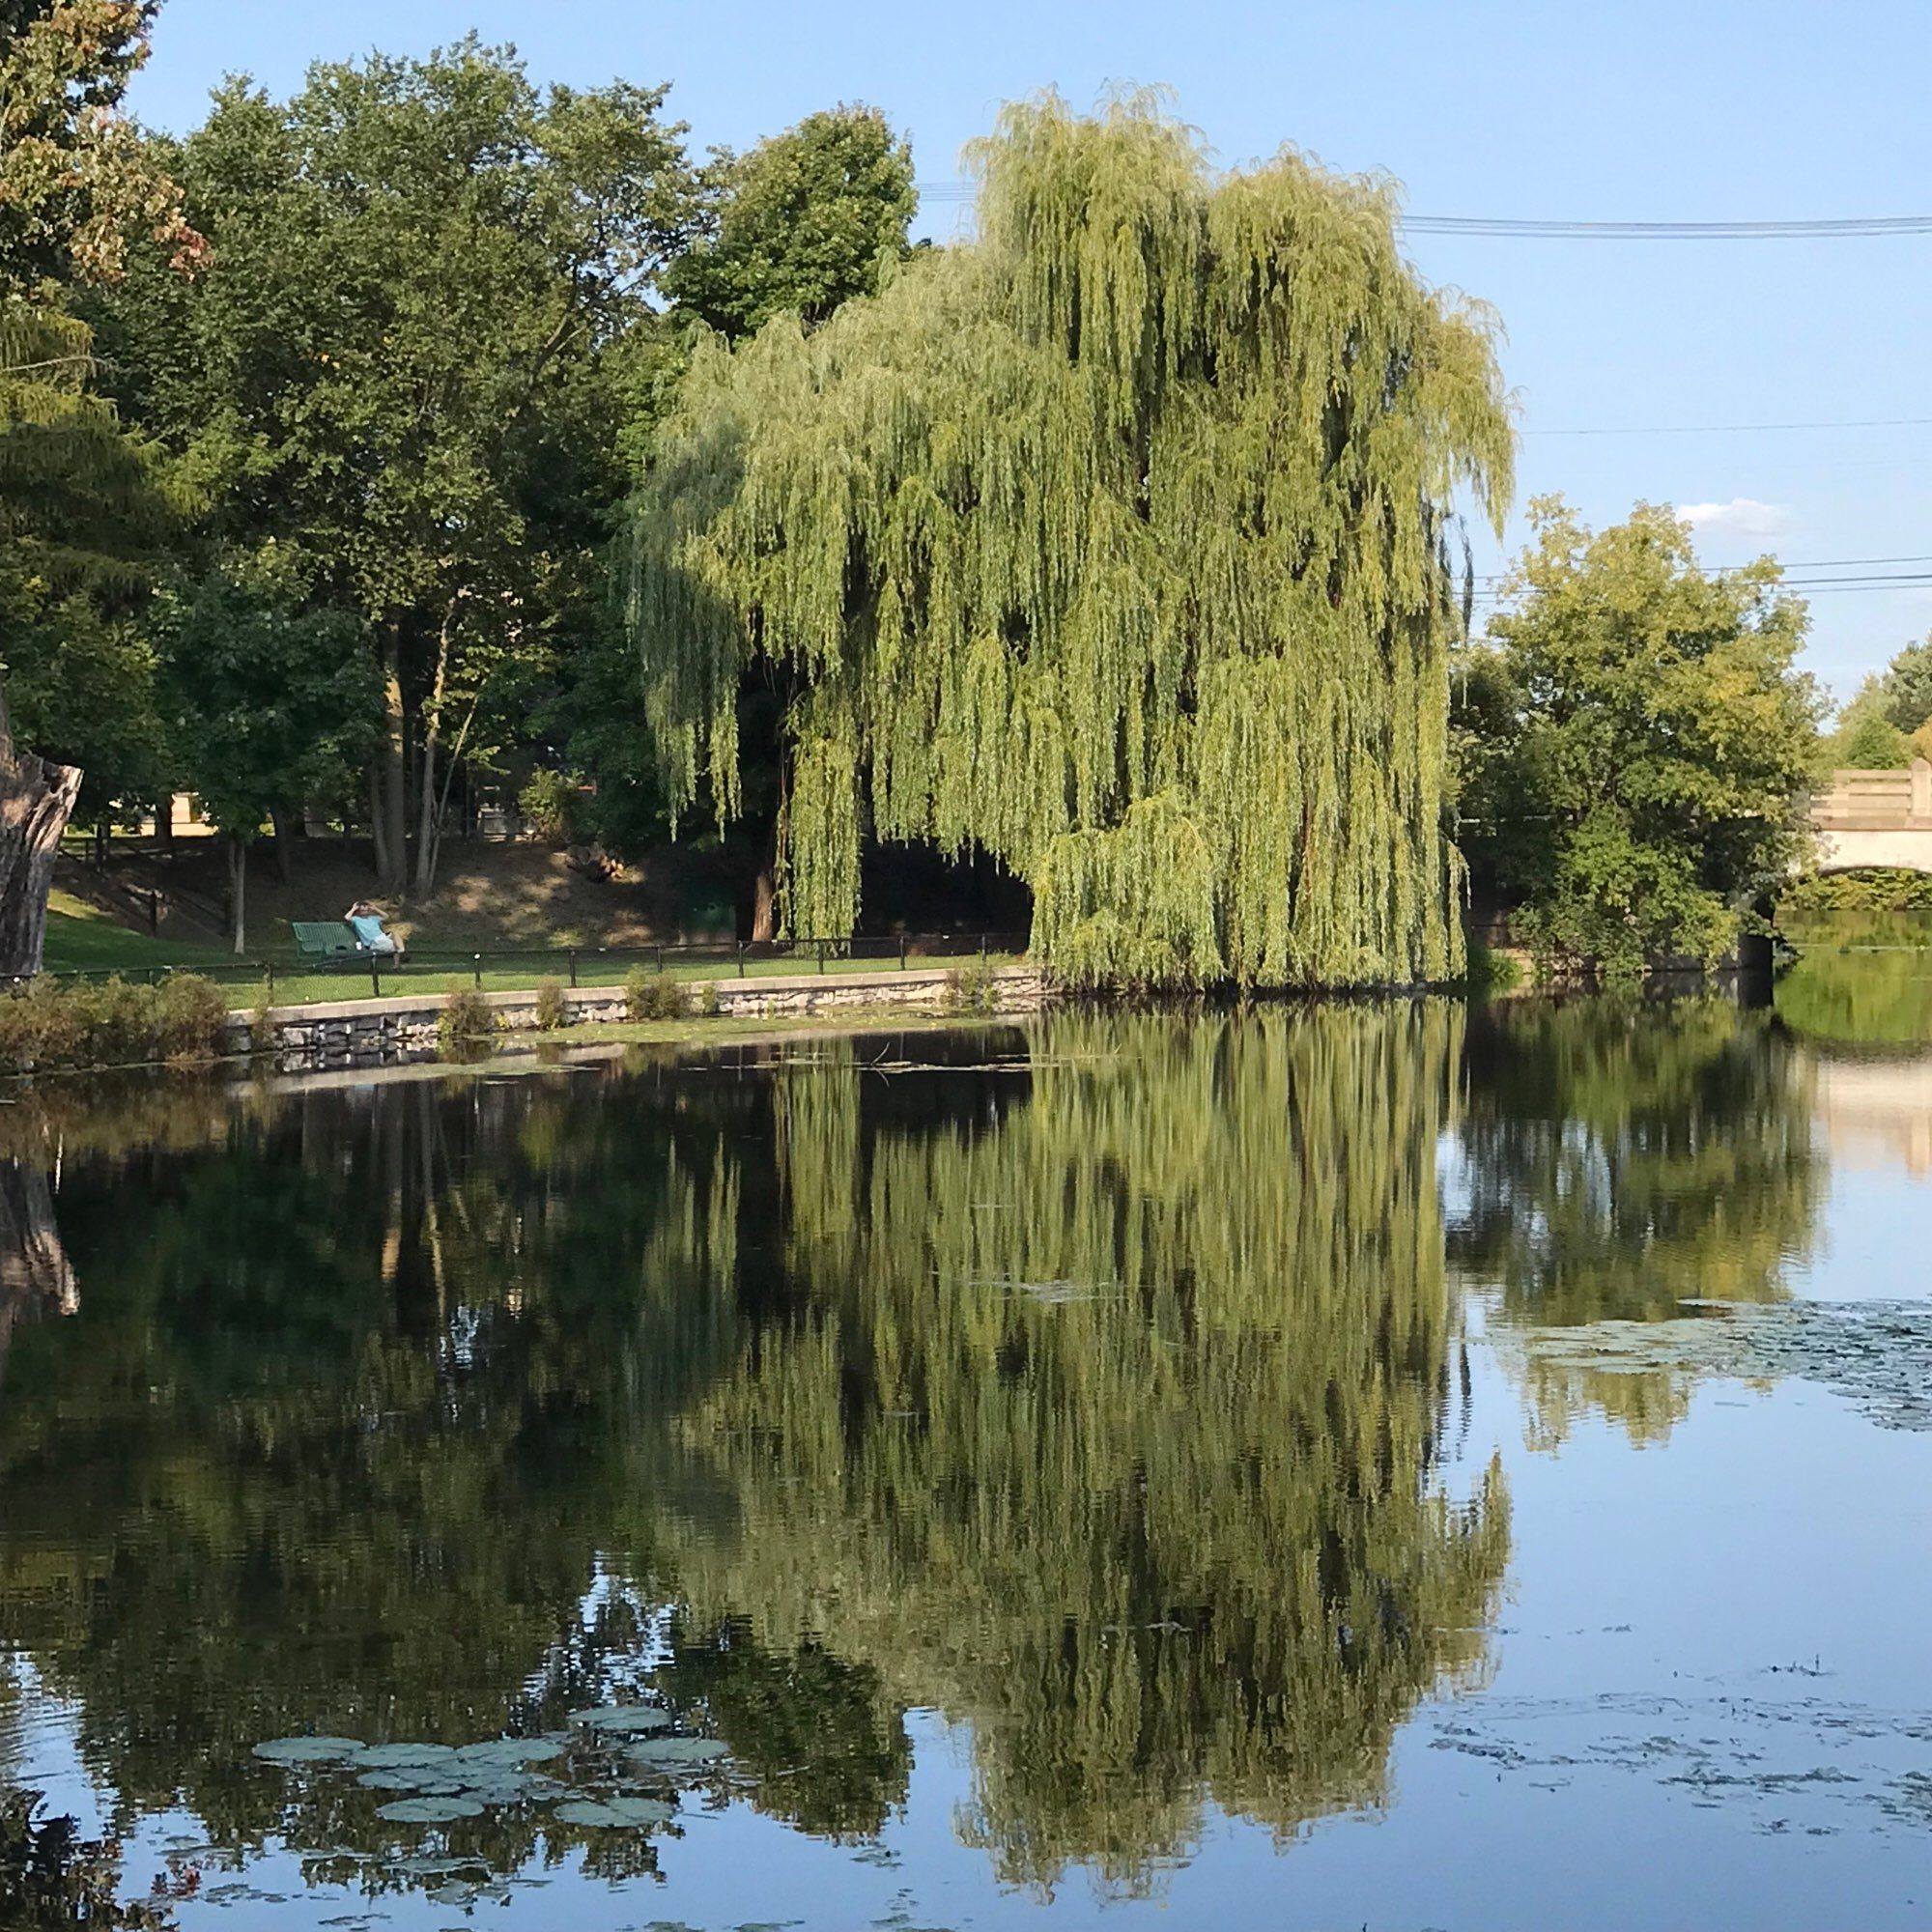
<point x="1781" y="109"/>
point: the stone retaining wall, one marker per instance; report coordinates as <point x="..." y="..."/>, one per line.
<point x="389" y="1032"/>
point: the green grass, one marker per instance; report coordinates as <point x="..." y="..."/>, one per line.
<point x="83" y="940"/>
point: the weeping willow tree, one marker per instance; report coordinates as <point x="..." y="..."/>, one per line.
<point x="1119" y="1425"/>
<point x="1113" y="544"/>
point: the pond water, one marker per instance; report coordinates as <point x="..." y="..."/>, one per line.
<point x="1386" y="1466"/>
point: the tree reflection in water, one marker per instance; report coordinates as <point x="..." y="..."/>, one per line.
<point x="1093" y="1388"/>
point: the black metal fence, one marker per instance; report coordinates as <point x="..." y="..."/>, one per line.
<point x="518" y="967"/>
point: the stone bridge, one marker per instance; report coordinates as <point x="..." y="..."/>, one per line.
<point x="1875" y="818"/>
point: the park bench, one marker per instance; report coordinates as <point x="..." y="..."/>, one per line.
<point x="335" y="942"/>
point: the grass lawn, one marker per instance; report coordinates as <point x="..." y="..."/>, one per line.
<point x="83" y="940"/>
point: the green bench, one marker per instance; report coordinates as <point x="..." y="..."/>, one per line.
<point x="335" y="942"/>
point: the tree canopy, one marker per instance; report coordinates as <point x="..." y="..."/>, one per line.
<point x="805" y="221"/>
<point x="1113" y="543"/>
<point x="1633" y="739"/>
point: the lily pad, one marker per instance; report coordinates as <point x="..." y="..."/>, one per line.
<point x="677" y="1754"/>
<point x="584" y="1811"/>
<point x="623" y="1717"/>
<point x="642" y="1811"/>
<point x="311" y="1751"/>
<point x="388" y="1757"/>
<point x="429" y="1811"/>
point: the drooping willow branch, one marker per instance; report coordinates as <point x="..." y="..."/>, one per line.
<point x="1112" y="544"/>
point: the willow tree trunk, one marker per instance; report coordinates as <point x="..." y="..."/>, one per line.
<point x="37" y="798"/>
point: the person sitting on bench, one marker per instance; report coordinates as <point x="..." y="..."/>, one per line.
<point x="366" y="923"/>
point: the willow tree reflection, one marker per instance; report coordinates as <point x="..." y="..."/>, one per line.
<point x="1094" y="1392"/>
<point x="1617" y="1161"/>
<point x="1112" y="1423"/>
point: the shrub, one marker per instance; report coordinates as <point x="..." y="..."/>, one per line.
<point x="112" y="1023"/>
<point x="548" y="804"/>
<point x="466" y="1017"/>
<point x="653" y="996"/>
<point x="971" y="990"/>
<point x="551" y="1011"/>
<point x="708" y="998"/>
<point x="190" y="1018"/>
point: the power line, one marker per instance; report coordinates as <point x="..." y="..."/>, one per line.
<point x="1817" y="228"/>
<point x="1732" y="428"/>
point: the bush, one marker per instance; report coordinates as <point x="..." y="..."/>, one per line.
<point x="190" y="1018"/>
<point x="111" y="1023"/>
<point x="466" y="1017"/>
<point x="971" y="990"/>
<point x="654" y="995"/>
<point x="548" y="804"/>
<point x="707" y="999"/>
<point x="551" y="1010"/>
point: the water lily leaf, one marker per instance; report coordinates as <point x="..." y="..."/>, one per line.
<point x="388" y="1757"/>
<point x="399" y="1779"/>
<point x="677" y="1753"/>
<point x="583" y="1812"/>
<point x="429" y="1811"/>
<point x="642" y="1811"/>
<point x="310" y="1750"/>
<point x="623" y="1717"/>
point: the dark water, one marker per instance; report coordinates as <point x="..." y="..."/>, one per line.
<point x="1360" y="1465"/>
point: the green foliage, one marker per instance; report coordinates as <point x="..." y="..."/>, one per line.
<point x="1633" y="742"/>
<point x="551" y="1010"/>
<point x="469" y="1016"/>
<point x="74" y="181"/>
<point x="275" y="704"/>
<point x="1879" y="889"/>
<point x="112" y="1023"/>
<point x="548" y="803"/>
<point x="971" y="989"/>
<point x="1112" y="544"/>
<point x="394" y="372"/>
<point x="1906" y="688"/>
<point x="1866" y="739"/>
<point x="656" y="996"/>
<point x="807" y="220"/>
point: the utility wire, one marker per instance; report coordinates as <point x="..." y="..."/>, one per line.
<point x="1732" y="428"/>
<point x="1539" y="228"/>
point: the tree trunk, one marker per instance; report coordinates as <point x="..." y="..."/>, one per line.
<point x="429" y="805"/>
<point x="378" y="832"/>
<point x="765" y="902"/>
<point x="37" y="798"/>
<point x="391" y="810"/>
<point x="237" y="889"/>
<point x="165" y="826"/>
<point x="284" y="833"/>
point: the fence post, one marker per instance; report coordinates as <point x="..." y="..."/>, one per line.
<point x="375" y="975"/>
<point x="821" y="955"/>
<point x="271" y="982"/>
<point x="741" y="958"/>
<point x="659" y="950"/>
<point x="154" y="915"/>
<point x="982" y="951"/>
<point x="476" y="967"/>
<point x="902" y="951"/>
<point x="573" y="969"/>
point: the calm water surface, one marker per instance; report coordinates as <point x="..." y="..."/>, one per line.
<point x="1357" y="1465"/>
